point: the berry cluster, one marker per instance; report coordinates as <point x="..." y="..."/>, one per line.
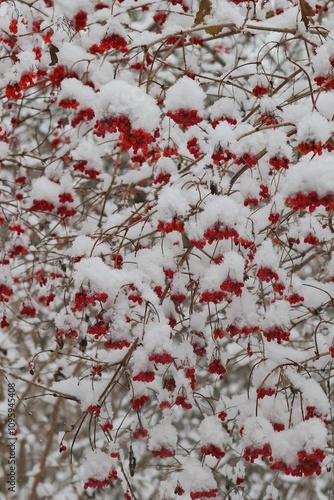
<point x="98" y="329"/>
<point x="216" y="367"/>
<point x="83" y="298"/>
<point x="174" y="225"/>
<point x="250" y="454"/>
<point x="138" y="402"/>
<point x="279" y="162"/>
<point x="139" y="432"/>
<point x="213" y="450"/>
<point x="266" y="274"/>
<point x="193" y="147"/>
<point x="99" y="483"/>
<point x="163" y="452"/>
<point x="142" y="376"/>
<point x="114" y="41"/>
<point x="241" y="330"/>
<point x="162" y="179"/>
<point x="204" y="494"/>
<point x="310" y="147"/>
<point x="222" y="155"/>
<point x="219" y="232"/>
<point x="308" y="464"/>
<point x="83" y="115"/>
<point x="185" y="117"/>
<point x="247" y="159"/>
<point x="276" y="333"/>
<point x="27" y="310"/>
<point x="80" y="20"/>
<point x="301" y="201"/>
<point x="107" y="426"/>
<point x="68" y="104"/>
<point x="265" y="391"/>
<point x="258" y="90"/>
<point x="163" y="358"/>
<point x="116" y="344"/>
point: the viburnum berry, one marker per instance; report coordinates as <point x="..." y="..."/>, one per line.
<point x="80" y="20"/>
<point x="213" y="450"/>
<point x="175" y="225"/>
<point x="258" y="90"/>
<point x="163" y="358"/>
<point x="107" y="426"/>
<point x="265" y="391"/>
<point x="310" y="147"/>
<point x="212" y="493"/>
<point x="28" y="310"/>
<point x="163" y="452"/>
<point x="276" y="333"/>
<point x="279" y="162"/>
<point x="185" y="117"/>
<point x="182" y="399"/>
<point x="100" y="483"/>
<point x="250" y="453"/>
<point x="138" y="402"/>
<point x="142" y="376"/>
<point x="266" y="274"/>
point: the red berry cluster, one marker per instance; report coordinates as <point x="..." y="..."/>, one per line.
<point x="276" y="333"/>
<point x="268" y="118"/>
<point x="325" y="81"/>
<point x="230" y="286"/>
<point x="241" y="330"/>
<point x="308" y="464"/>
<point x="310" y="147"/>
<point x="222" y="416"/>
<point x="17" y="250"/>
<point x="80" y="20"/>
<point x="301" y="201"/>
<point x="213" y="450"/>
<point x="250" y="454"/>
<point x="162" y="179"/>
<point x="27" y="310"/>
<point x="224" y="118"/>
<point x="204" y="494"/>
<point x="278" y="427"/>
<point x="331" y="350"/>
<point x="140" y="432"/>
<point x="190" y="373"/>
<point x="311" y="412"/>
<point x="162" y="358"/>
<point x="57" y="75"/>
<point x="182" y="399"/>
<point x="215" y="296"/>
<point x="83" y="298"/>
<point x="266" y="274"/>
<point x="99" y="483"/>
<point x="265" y="391"/>
<point x="193" y="147"/>
<point x="294" y="298"/>
<point x="83" y="115"/>
<point x="138" y="402"/>
<point x="163" y="452"/>
<point x="274" y="217"/>
<point x="311" y="239"/>
<point x="107" y="426"/>
<point x="142" y="376"/>
<point x="219" y="232"/>
<point x="279" y="162"/>
<point x="174" y="225"/>
<point x="4" y="323"/>
<point x="98" y="329"/>
<point x="116" y="344"/>
<point x="114" y="41"/>
<point x="178" y="298"/>
<point x="68" y="104"/>
<point x="222" y="155"/>
<point x="216" y="367"/>
<point x="247" y="159"/>
<point x="94" y="409"/>
<point x="258" y="90"/>
<point x="41" y="206"/>
<point x="185" y="117"/>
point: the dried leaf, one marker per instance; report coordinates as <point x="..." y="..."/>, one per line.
<point x="53" y="54"/>
<point x="307" y="12"/>
<point x="204" y="10"/>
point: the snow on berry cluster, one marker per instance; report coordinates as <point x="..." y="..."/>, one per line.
<point x="166" y="277"/>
